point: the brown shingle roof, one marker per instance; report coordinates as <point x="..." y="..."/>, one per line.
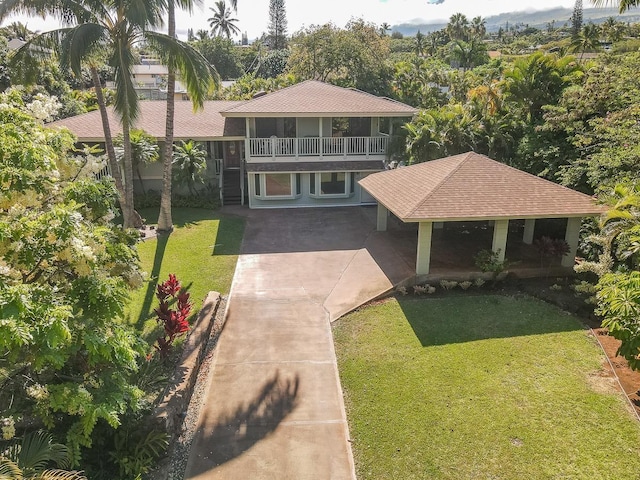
<point x="205" y="124"/>
<point x="473" y="187"/>
<point x="314" y="98"/>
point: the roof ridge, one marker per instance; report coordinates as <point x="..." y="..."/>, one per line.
<point x="447" y="176"/>
<point x="244" y="102"/>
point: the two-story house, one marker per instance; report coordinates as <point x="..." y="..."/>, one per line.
<point x="309" y="144"/>
<point x="305" y="145"/>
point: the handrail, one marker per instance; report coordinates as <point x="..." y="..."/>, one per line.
<point x="317" y="146"/>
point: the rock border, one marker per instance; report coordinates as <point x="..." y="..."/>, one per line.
<point x="170" y="412"/>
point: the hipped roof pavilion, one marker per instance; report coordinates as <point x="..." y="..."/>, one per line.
<point x="472" y="187"/>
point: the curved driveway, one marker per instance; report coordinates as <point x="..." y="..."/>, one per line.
<point x="274" y="409"/>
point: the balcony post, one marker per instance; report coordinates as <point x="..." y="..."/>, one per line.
<point x="320" y="142"/>
<point x="344" y="147"/>
<point x="367" y="142"/>
<point x="247" y="142"/>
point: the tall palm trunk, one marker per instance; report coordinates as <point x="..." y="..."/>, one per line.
<point x="129" y="213"/>
<point x="125" y="205"/>
<point x="165" y="222"/>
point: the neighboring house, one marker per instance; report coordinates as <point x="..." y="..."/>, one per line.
<point x="15" y="43"/>
<point x="150" y="76"/>
<point x="305" y="145"/>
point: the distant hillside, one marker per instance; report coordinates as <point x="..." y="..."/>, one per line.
<point x="538" y="19"/>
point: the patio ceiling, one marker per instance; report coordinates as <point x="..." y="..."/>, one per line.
<point x="471" y="186"/>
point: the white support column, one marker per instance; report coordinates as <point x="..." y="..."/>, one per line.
<point x="423" y="257"/>
<point x="500" y="231"/>
<point x="320" y="142"/>
<point x="247" y="145"/>
<point x="383" y="214"/>
<point x="241" y="179"/>
<point x="572" y="237"/>
<point x="529" y="228"/>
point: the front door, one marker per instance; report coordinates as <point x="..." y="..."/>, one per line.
<point x="232" y="154"/>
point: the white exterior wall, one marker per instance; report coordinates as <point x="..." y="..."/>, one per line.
<point x="305" y="199"/>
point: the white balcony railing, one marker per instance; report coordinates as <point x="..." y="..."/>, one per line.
<point x="317" y="146"/>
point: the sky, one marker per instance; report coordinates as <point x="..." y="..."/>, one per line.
<point x="253" y="15"/>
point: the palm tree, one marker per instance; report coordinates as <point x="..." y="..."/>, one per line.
<point x="17" y="30"/>
<point x="384" y="28"/>
<point x="469" y="54"/>
<point x="221" y="23"/>
<point x="458" y="25"/>
<point x="613" y="30"/>
<point x="111" y="30"/>
<point x="165" y="220"/>
<point x="623" y="5"/>
<point x="419" y="44"/>
<point x="202" y="34"/>
<point x="190" y="164"/>
<point x="478" y="27"/>
<point x="587" y="39"/>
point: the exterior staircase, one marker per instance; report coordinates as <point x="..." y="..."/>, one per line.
<point x="231" y="193"/>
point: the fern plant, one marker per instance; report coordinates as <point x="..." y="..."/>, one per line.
<point x="136" y="451"/>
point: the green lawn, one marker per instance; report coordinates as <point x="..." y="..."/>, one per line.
<point x="202" y="251"/>
<point x="480" y="387"/>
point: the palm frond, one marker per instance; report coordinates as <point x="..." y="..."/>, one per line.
<point x="145" y="13"/>
<point x="126" y="102"/>
<point x="195" y="71"/>
<point x="37" y="450"/>
<point x="26" y="61"/>
<point x="79" y="43"/>
<point x="9" y="470"/>
<point x="68" y="11"/>
<point x="60" y="475"/>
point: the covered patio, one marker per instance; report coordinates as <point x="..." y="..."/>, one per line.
<point x="466" y="203"/>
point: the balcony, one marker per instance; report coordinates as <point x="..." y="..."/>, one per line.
<point x="316" y="148"/>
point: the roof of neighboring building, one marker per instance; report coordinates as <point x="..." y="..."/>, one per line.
<point x="150" y="70"/>
<point x="15" y="43"/>
<point x="205" y="124"/>
<point x="331" y="166"/>
<point x="471" y="186"/>
<point x="315" y="99"/>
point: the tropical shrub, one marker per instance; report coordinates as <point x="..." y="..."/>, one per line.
<point x="67" y="360"/>
<point x="175" y="321"/>
<point x="488" y="261"/>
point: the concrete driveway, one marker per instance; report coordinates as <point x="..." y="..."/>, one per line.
<point x="274" y="409"/>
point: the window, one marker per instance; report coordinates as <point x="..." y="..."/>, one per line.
<point x="331" y="184"/>
<point x="277" y="186"/>
<point x="256" y="179"/>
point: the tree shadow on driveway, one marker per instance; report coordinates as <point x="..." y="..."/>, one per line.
<point x="236" y="432"/>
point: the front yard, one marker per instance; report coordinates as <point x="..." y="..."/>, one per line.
<point x="202" y="251"/>
<point x="486" y="387"/>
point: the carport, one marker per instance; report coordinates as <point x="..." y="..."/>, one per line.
<point x="473" y="187"/>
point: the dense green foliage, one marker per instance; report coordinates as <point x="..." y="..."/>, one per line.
<point x="66" y="358"/>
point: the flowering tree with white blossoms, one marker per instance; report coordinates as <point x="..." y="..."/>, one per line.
<point x="67" y="359"/>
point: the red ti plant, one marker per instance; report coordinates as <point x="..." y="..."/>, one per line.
<point x="174" y="317"/>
